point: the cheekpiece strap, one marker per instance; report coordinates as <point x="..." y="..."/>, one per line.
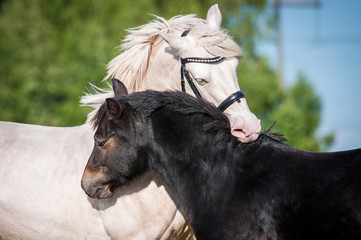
<point x="185" y="73"/>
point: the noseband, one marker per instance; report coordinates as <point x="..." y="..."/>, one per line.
<point x="234" y="97"/>
<point x="184" y="73"/>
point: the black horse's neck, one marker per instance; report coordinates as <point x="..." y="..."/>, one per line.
<point x="196" y="167"/>
<point x="202" y="175"/>
<point x="197" y="185"/>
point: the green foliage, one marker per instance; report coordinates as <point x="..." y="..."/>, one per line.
<point x="51" y="50"/>
<point x="298" y="115"/>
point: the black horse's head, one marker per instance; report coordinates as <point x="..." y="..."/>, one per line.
<point x="120" y="147"/>
<point x="134" y="130"/>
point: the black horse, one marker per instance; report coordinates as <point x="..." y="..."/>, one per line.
<point x="226" y="189"/>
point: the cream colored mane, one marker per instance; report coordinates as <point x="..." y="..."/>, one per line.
<point x="131" y="64"/>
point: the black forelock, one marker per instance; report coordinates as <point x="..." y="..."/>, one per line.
<point x="97" y="118"/>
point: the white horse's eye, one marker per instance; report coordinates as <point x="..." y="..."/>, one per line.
<point x="201" y="81"/>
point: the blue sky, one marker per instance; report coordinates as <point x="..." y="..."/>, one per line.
<point x="325" y="44"/>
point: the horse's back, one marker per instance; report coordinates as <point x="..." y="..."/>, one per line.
<point x="301" y="194"/>
<point x="37" y="168"/>
<point x="24" y="145"/>
<point x="279" y="152"/>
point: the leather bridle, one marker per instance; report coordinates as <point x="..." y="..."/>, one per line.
<point x="184" y="73"/>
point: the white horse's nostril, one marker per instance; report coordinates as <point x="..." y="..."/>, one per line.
<point x="239" y="130"/>
<point x="245" y="135"/>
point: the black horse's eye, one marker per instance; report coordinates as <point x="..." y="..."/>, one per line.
<point x="100" y="143"/>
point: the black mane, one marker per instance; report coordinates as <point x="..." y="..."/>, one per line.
<point x="148" y="102"/>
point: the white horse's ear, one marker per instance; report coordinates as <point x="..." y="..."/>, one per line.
<point x="214" y="17"/>
<point x="118" y="88"/>
<point x="114" y="108"/>
<point x="177" y="43"/>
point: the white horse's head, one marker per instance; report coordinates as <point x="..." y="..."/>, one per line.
<point x="151" y="59"/>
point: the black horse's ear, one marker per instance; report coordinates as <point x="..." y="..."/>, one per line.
<point x="114" y="107"/>
<point x="119" y="88"/>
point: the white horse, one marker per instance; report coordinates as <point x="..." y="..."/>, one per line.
<point x="41" y="167"/>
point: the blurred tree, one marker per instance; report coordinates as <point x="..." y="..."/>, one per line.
<point x="51" y="50"/>
<point x="298" y="115"/>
